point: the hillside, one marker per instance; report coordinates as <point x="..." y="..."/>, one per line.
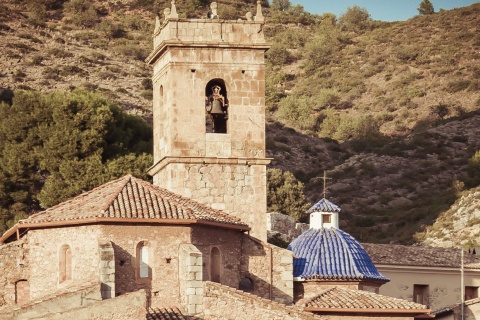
<point x="390" y="110"/>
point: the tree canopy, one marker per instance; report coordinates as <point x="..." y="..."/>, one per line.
<point x="426" y="7"/>
<point x="56" y="145"/>
<point x="285" y="194"/>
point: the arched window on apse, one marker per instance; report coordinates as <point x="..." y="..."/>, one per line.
<point x="143" y="269"/>
<point x="161" y="97"/>
<point x="65" y="264"/>
<point x="22" y="291"/>
<point x="216" y="106"/>
<point x="215" y="265"/>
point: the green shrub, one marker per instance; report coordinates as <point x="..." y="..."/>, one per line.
<point x="69" y="70"/>
<point x="298" y="112"/>
<point x="82" y="13"/>
<point x="147" y="84"/>
<point x="110" y="29"/>
<point x="278" y="55"/>
<point x="106" y="74"/>
<point x="59" y="53"/>
<point x="51" y="73"/>
<point x="132" y="51"/>
<point x="147" y="94"/>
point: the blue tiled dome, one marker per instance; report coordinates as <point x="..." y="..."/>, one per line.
<point x="331" y="254"/>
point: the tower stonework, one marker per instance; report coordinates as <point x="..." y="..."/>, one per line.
<point x="221" y="164"/>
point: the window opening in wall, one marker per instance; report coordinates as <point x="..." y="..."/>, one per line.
<point x="327" y="218"/>
<point x="22" y="291"/>
<point x="471" y="293"/>
<point x="142" y="258"/>
<point x="420" y="294"/>
<point x="216" y="106"/>
<point x="65" y="264"/>
<point x="215" y="265"/>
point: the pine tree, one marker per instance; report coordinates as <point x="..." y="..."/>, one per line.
<point x="54" y="146"/>
<point x="285" y="194"/>
<point x="426" y="7"/>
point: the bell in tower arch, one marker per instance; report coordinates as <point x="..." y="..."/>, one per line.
<point x="217" y="107"/>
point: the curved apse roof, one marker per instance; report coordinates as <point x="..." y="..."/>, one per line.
<point x="128" y="200"/>
<point x="331" y="254"/>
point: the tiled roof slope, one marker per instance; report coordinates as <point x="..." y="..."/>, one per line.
<point x="132" y="198"/>
<point x="400" y="255"/>
<point x="325" y="206"/>
<point x="342" y="298"/>
<point x="331" y="254"/>
<point x="172" y="313"/>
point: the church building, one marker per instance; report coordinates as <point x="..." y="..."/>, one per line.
<point x="193" y="242"/>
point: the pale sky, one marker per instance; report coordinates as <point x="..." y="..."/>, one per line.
<point x="384" y="10"/>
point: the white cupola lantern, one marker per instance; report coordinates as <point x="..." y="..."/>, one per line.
<point x="324" y="214"/>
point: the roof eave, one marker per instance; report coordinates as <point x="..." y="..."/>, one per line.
<point x="405" y="312"/>
<point x="16" y="228"/>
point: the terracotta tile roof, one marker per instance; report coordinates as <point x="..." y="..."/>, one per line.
<point x="342" y="298"/>
<point x="172" y="313"/>
<point x="390" y="254"/>
<point x="131" y="198"/>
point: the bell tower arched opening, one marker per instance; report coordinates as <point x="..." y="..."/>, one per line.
<point x="216" y="106"/>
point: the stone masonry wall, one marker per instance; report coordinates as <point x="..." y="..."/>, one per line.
<point x="236" y="188"/>
<point x="229" y="244"/>
<point x="130" y="306"/>
<point x="222" y="302"/>
<point x="188" y="55"/>
<point x="163" y="243"/>
<point x="45" y="246"/>
<point x="190" y="277"/>
<point x="81" y="296"/>
<point x="14" y="266"/>
<point x="202" y="30"/>
<point x="107" y="269"/>
<point x="270" y="268"/>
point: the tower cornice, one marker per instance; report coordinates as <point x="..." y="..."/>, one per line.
<point x="207" y="160"/>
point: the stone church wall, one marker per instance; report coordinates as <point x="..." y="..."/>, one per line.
<point x="270" y="268"/>
<point x="45" y="246"/>
<point x="14" y="266"/>
<point x="226" y="303"/>
<point x="163" y="243"/>
<point x="130" y="306"/>
<point x="229" y="243"/>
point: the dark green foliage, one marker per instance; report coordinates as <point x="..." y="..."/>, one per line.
<point x="147" y="84"/>
<point x="110" y="29"/>
<point x="54" y="146"/>
<point x="280" y="5"/>
<point x="426" y="7"/>
<point x="473" y="171"/>
<point x="82" y="13"/>
<point x="294" y="14"/>
<point x="355" y="19"/>
<point x="298" y="111"/>
<point x="285" y="194"/>
<point x="278" y="55"/>
<point x="441" y="110"/>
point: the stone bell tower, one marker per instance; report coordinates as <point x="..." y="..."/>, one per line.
<point x="209" y="112"/>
